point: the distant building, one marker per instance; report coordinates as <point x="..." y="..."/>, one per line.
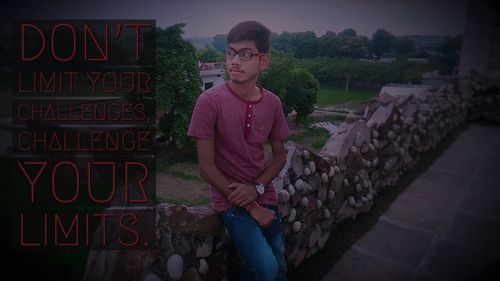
<point x="404" y="89"/>
<point x="419" y="60"/>
<point x="426" y="42"/>
<point x="212" y="74"/>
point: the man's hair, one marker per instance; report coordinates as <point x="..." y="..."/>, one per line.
<point x="251" y="31"/>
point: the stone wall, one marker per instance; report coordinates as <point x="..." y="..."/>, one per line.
<point x="483" y="96"/>
<point x="316" y="191"/>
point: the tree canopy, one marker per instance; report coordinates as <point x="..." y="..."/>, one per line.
<point x="382" y="41"/>
<point x="178" y="82"/>
<point x="279" y="73"/>
<point x="220" y="42"/>
<point x="302" y="93"/>
<point x="296" y="87"/>
<point x="210" y="55"/>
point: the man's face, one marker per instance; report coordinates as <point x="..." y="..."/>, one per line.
<point x="242" y="71"/>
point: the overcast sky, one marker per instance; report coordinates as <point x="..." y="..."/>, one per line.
<point x="210" y="17"/>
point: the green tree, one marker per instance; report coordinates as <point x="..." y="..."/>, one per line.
<point x="210" y="55"/>
<point x="346" y="44"/>
<point x="305" y="44"/>
<point x="349" y="32"/>
<point x="281" y="41"/>
<point x="297" y="88"/>
<point x="301" y="44"/>
<point x="329" y="45"/>
<point x="403" y="46"/>
<point x="382" y="41"/>
<point x="448" y="63"/>
<point x="178" y="83"/>
<point x="368" y="45"/>
<point x="279" y="73"/>
<point x="352" y="47"/>
<point x="220" y="42"/>
<point x="302" y="93"/>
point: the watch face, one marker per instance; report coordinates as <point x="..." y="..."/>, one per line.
<point x="260" y="188"/>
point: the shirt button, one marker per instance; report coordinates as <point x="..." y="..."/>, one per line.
<point x="249" y="115"/>
<point x="248" y="125"/>
<point x="249" y="106"/>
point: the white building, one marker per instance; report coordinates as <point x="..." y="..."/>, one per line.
<point x="426" y="41"/>
<point x="212" y="74"/>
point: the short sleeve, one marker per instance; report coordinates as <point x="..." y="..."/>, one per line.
<point x="203" y="120"/>
<point x="279" y="130"/>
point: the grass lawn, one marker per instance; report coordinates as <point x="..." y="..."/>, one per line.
<point x="332" y="95"/>
<point x="312" y="138"/>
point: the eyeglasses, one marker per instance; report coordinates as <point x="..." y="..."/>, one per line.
<point x="244" y="54"/>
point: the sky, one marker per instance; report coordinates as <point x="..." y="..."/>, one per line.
<point x="210" y="17"/>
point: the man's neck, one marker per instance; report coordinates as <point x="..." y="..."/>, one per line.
<point x="247" y="91"/>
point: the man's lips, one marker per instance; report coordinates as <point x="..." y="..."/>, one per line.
<point x="235" y="70"/>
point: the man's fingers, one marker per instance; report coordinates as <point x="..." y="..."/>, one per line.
<point x="246" y="202"/>
<point x="230" y="197"/>
<point x="240" y="195"/>
<point x="235" y="196"/>
<point x="239" y="199"/>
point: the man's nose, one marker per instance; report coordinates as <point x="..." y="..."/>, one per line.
<point x="236" y="59"/>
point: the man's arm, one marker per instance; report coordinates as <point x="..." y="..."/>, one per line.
<point x="245" y="193"/>
<point x="212" y="174"/>
<point x="276" y="163"/>
<point x="208" y="169"/>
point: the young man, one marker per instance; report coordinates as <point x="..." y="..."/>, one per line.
<point x="231" y="123"/>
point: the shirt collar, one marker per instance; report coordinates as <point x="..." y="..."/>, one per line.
<point x="242" y="99"/>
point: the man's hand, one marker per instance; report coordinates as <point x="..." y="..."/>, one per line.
<point x="242" y="194"/>
<point x="262" y="215"/>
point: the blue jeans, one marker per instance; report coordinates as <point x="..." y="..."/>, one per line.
<point x="261" y="249"/>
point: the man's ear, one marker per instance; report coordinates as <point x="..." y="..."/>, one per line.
<point x="264" y="61"/>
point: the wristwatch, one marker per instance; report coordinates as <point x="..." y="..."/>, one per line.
<point x="260" y="188"/>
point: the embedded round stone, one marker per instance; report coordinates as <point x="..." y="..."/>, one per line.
<point x="324" y="177"/>
<point x="305" y="201"/>
<point x="175" y="266"/>
<point x="331" y="194"/>
<point x="326" y="213"/>
<point x="306" y="154"/>
<point x="307" y="171"/>
<point x="151" y="277"/>
<point x="203" y="267"/>
<point x="296" y="226"/>
<point x="293" y="215"/>
<point x="312" y="166"/>
<point x="283" y="196"/>
<point x="299" y="184"/>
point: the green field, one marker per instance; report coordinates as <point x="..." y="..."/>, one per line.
<point x="331" y="95"/>
<point x="312" y="138"/>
